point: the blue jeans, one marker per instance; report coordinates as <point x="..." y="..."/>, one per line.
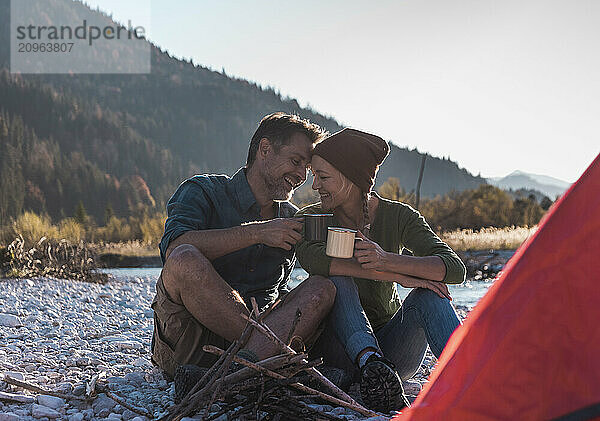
<point x="424" y="318"/>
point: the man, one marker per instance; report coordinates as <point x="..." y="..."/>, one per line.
<point x="226" y="240"/>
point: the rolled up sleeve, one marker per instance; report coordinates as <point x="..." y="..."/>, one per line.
<point x="189" y="209"/>
<point x="419" y="238"/>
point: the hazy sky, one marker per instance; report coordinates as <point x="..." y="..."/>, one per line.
<point x="496" y="85"/>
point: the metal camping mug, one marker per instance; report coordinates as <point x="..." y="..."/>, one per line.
<point x="340" y="242"/>
<point x="315" y="226"/>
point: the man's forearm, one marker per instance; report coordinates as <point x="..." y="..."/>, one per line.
<point x="215" y="243"/>
<point x="426" y="267"/>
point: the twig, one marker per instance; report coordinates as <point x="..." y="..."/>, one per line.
<point x="310" y="409"/>
<point x="293" y="327"/>
<point x="191" y="401"/>
<point x="25" y="385"/>
<point x="123" y="403"/>
<point x="269" y="310"/>
<point x="255" y="309"/>
<point x="263" y="328"/>
<point x="12" y="397"/>
<point x="223" y="411"/>
<point x="358" y="408"/>
<point x="296" y="343"/>
<point x="240" y="411"/>
<point x="90" y="388"/>
<point x="296" y="385"/>
<point x="217" y="351"/>
<point x="260" y="396"/>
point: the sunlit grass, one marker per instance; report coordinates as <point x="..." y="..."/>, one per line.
<point x="127" y="248"/>
<point x="487" y="238"/>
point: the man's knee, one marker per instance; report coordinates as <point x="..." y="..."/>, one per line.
<point x="185" y="259"/>
<point x="321" y="291"/>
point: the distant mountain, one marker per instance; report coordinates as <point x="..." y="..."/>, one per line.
<point x="516" y="180"/>
<point x="125" y="142"/>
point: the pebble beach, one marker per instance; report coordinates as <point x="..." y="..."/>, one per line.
<point x="59" y="334"/>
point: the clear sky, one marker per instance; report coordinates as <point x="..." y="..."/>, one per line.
<point x="496" y="85"/>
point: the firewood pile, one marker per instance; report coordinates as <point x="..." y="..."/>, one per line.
<point x="272" y="389"/>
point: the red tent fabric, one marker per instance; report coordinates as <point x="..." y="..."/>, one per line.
<point x="530" y="349"/>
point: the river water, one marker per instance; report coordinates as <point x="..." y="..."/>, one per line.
<point x="466" y="294"/>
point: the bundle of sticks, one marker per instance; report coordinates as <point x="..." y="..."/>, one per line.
<point x="271" y="389"/>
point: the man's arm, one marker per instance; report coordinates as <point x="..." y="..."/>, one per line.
<point x="214" y="243"/>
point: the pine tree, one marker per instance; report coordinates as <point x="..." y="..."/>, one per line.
<point x="108" y="213"/>
<point x="80" y="213"/>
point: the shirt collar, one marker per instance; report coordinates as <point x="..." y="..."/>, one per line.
<point x="244" y="194"/>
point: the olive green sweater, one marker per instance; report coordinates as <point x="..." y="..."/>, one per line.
<point x="396" y="226"/>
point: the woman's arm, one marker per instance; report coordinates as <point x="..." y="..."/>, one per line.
<point x="351" y="267"/>
<point x="371" y="256"/>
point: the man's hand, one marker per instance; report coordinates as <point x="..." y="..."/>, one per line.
<point x="369" y="254"/>
<point x="281" y="232"/>
<point x="439" y="288"/>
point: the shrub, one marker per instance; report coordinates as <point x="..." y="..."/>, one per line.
<point x="71" y="230"/>
<point x="32" y="228"/>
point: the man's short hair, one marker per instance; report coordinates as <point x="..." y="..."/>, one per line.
<point x="278" y="128"/>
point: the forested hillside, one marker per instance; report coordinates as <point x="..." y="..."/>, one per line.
<point x="125" y="141"/>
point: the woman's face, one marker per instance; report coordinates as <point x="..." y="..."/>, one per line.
<point x="333" y="187"/>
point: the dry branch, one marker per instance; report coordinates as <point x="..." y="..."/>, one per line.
<point x="29" y="386"/>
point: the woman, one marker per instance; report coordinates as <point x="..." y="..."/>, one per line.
<point x="378" y="333"/>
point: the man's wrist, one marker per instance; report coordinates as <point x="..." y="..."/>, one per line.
<point x="388" y="262"/>
<point x="253" y="232"/>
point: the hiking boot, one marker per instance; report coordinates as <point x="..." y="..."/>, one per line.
<point x="186" y="377"/>
<point x="380" y="386"/>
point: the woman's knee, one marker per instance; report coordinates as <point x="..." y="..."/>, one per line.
<point x="425" y="299"/>
<point x="344" y="283"/>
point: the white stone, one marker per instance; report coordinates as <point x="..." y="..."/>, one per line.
<point x="40" y="411"/>
<point x="9" y="320"/>
<point x="128" y="345"/>
<point x="51" y="401"/>
<point x="77" y="417"/>
<point x="140" y="362"/>
<point x="15" y="375"/>
<point x="8" y="416"/>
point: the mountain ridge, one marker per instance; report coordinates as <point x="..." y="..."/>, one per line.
<point x="518" y="179"/>
<point x="136" y="137"/>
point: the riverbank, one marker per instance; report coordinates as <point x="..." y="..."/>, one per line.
<point x="59" y="334"/>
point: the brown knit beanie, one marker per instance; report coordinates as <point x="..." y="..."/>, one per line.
<point x="355" y="154"/>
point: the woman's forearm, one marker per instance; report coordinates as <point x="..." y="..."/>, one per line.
<point x="350" y="267"/>
<point x="426" y="267"/>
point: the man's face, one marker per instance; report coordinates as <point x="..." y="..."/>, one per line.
<point x="286" y="170"/>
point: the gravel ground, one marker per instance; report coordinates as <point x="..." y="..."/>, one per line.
<point x="58" y="334"/>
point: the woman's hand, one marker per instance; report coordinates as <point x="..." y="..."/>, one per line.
<point x="369" y="254"/>
<point x="439" y="288"/>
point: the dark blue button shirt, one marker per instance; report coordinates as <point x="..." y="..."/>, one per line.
<point x="219" y="201"/>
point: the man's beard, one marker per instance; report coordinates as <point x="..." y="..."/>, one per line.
<point x="278" y="189"/>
